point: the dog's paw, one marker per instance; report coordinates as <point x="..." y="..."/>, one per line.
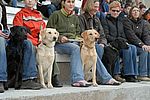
<point x="44" y="86"/>
<point x="95" y="85"/>
<point x="50" y="86"/>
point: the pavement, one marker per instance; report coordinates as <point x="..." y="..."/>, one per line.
<point x="126" y="91"/>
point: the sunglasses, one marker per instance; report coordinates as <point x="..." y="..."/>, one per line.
<point x="115" y="10"/>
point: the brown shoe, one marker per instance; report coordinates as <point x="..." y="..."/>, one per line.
<point x="1" y="88"/>
<point x="143" y="78"/>
<point x="118" y="78"/>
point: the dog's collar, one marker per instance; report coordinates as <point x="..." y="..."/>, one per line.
<point x="46" y="45"/>
<point x="88" y="46"/>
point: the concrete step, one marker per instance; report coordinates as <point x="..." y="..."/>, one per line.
<point x="126" y="91"/>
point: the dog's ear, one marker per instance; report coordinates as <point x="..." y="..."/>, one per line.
<point x="43" y="33"/>
<point x="84" y="35"/>
<point x="57" y="32"/>
<point x="13" y="30"/>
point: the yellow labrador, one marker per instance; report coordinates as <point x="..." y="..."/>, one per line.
<point x="45" y="55"/>
<point x="89" y="55"/>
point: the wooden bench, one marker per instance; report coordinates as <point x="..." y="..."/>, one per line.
<point x="11" y="11"/>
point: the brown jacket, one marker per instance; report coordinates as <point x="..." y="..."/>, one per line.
<point x="87" y="22"/>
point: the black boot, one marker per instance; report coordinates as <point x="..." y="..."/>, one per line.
<point x="131" y="78"/>
<point x="56" y="82"/>
<point x="1" y="87"/>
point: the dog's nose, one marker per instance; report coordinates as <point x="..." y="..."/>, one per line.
<point x="54" y="38"/>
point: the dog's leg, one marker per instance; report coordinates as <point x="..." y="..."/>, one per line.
<point x="49" y="83"/>
<point x="94" y="74"/>
<point x="41" y="76"/>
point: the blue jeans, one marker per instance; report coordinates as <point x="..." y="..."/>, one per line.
<point x="99" y="50"/>
<point x="144" y="62"/>
<point x="102" y="73"/>
<point x="73" y="50"/>
<point x="29" y="61"/>
<point x="129" y="60"/>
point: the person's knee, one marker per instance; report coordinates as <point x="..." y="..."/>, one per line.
<point x="75" y="48"/>
<point x="28" y="44"/>
<point x="133" y="48"/>
<point x="2" y="42"/>
<point x="99" y="50"/>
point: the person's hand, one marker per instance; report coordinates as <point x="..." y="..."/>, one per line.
<point x="64" y="39"/>
<point x="4" y="35"/>
<point x="146" y="48"/>
<point x="102" y="45"/>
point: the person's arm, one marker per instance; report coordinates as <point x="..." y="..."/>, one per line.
<point x="146" y="33"/>
<point x="3" y="23"/>
<point x="78" y="31"/>
<point x="52" y="23"/>
<point x="18" y="20"/>
<point x="102" y="40"/>
<point x="106" y="31"/>
<point x="4" y="18"/>
<point x="82" y="23"/>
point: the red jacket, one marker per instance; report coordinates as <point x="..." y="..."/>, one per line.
<point x="32" y="19"/>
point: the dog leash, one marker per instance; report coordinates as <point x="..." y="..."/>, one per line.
<point x="112" y="47"/>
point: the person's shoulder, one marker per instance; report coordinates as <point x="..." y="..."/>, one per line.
<point x="144" y="21"/>
<point x="56" y="12"/>
<point x="81" y="15"/>
<point x="21" y="11"/>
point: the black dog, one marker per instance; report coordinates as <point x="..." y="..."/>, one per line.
<point x="14" y="52"/>
<point x="111" y="53"/>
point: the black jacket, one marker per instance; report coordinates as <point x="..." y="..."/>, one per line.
<point x="137" y="31"/>
<point x="4" y="19"/>
<point x="113" y="28"/>
<point x="87" y="22"/>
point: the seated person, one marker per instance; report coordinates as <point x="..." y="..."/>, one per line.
<point x="138" y="34"/>
<point x="68" y="30"/>
<point x="87" y="21"/>
<point x="29" y="65"/>
<point x="32" y="19"/>
<point x="113" y="28"/>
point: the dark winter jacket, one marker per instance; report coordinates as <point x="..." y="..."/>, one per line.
<point x="113" y="28"/>
<point x="137" y="31"/>
<point x="4" y="19"/>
